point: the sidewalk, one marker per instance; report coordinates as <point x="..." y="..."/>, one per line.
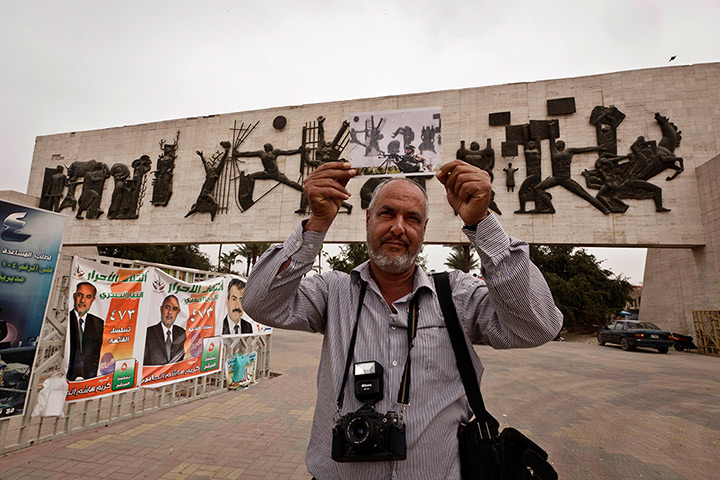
<point x="601" y="413"/>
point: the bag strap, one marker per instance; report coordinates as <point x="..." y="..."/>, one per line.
<point x="487" y="423"/>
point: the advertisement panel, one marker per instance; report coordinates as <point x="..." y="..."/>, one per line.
<point x="30" y="240"/>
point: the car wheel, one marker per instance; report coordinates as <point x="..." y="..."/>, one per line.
<point x="600" y="340"/>
<point x="662" y="349"/>
<point x="625" y="345"/>
<point x="678" y="347"/>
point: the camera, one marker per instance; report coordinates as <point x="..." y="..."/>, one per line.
<point x="366" y="435"/>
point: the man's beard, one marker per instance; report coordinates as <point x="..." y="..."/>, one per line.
<point x="392" y="263"/>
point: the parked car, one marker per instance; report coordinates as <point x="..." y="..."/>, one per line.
<point x="632" y="333"/>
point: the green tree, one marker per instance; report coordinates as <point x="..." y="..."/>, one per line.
<point x="351" y="255"/>
<point x="188" y="256"/>
<point x="586" y="294"/>
<point x="228" y="260"/>
<point x="462" y="257"/>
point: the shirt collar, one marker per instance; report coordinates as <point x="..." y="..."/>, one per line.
<point x="421" y="280"/>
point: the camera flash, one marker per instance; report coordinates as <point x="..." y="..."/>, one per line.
<point x="365" y="368"/>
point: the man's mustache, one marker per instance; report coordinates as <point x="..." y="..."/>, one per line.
<point x="239" y="310"/>
<point x="392" y="237"/>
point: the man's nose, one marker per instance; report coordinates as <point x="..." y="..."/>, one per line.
<point x="398" y="226"/>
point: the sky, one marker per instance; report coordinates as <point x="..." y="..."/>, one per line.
<point x="86" y="65"/>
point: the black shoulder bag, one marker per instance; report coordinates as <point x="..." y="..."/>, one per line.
<point x="486" y="454"/>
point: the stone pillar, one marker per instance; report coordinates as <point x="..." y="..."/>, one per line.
<point x="680" y="280"/>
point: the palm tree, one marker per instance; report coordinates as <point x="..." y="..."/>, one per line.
<point x="228" y="260"/>
<point x="251" y="252"/>
<point x="462" y="257"/>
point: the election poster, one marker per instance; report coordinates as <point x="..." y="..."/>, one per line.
<point x="30" y="241"/>
<point x="396" y="142"/>
<point x="180" y="339"/>
<point x="236" y="321"/>
<point x="106" y="323"/>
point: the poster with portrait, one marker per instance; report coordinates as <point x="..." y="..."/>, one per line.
<point x="180" y="338"/>
<point x="396" y="142"/>
<point x="106" y="323"/>
<point x="30" y="240"/>
<point x="236" y="321"/>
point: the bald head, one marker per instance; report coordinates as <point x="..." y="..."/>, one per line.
<point x="391" y="181"/>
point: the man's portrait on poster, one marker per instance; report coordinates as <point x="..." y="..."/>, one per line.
<point x="86" y="334"/>
<point x="165" y="341"/>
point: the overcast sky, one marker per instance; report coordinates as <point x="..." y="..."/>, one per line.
<point x="86" y="65"/>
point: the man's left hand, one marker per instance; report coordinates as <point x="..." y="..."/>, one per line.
<point x="468" y="190"/>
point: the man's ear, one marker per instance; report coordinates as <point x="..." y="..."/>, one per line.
<point x="367" y="217"/>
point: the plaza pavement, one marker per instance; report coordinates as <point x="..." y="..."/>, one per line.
<point x="600" y="412"/>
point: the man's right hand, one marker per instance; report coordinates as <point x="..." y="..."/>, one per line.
<point x="325" y="191"/>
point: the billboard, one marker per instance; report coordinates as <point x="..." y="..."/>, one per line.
<point x="30" y="241"/>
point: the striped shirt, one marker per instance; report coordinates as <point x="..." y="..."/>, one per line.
<point x="512" y="307"/>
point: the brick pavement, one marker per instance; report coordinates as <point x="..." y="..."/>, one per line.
<point x="600" y="412"/>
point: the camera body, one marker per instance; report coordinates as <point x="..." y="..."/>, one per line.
<point x="366" y="435"/>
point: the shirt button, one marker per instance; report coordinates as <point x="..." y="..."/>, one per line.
<point x="394" y="363"/>
<point x="393" y="327"/>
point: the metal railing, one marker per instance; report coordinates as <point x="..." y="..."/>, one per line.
<point x="22" y="431"/>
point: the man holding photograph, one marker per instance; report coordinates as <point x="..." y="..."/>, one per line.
<point x="510" y="307"/>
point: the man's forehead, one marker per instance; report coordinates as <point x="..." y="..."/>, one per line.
<point x="170" y="300"/>
<point x="86" y="289"/>
<point x="400" y="189"/>
<point x="400" y="202"/>
<point x="237" y="289"/>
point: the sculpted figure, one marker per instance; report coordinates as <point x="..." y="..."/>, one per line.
<point x="162" y="183"/>
<point x="561" y="158"/>
<point x="120" y="172"/>
<point x="53" y="191"/>
<point x="510" y="181"/>
<point x="91" y="195"/>
<point x="528" y="192"/>
<point x="325" y="152"/>
<point x="206" y="202"/>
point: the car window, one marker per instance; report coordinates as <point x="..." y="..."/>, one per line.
<point x="647" y="326"/>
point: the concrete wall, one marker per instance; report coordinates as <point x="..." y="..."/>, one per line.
<point x="689" y="96"/>
<point x="678" y="281"/>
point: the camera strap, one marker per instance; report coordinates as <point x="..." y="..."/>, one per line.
<point x="403" y="397"/>
<point x="351" y="350"/>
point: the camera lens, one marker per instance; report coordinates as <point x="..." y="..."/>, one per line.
<point x="359" y="433"/>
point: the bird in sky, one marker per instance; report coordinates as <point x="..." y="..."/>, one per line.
<point x="672" y="58"/>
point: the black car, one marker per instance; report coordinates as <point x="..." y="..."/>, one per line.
<point x="631" y="333"/>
